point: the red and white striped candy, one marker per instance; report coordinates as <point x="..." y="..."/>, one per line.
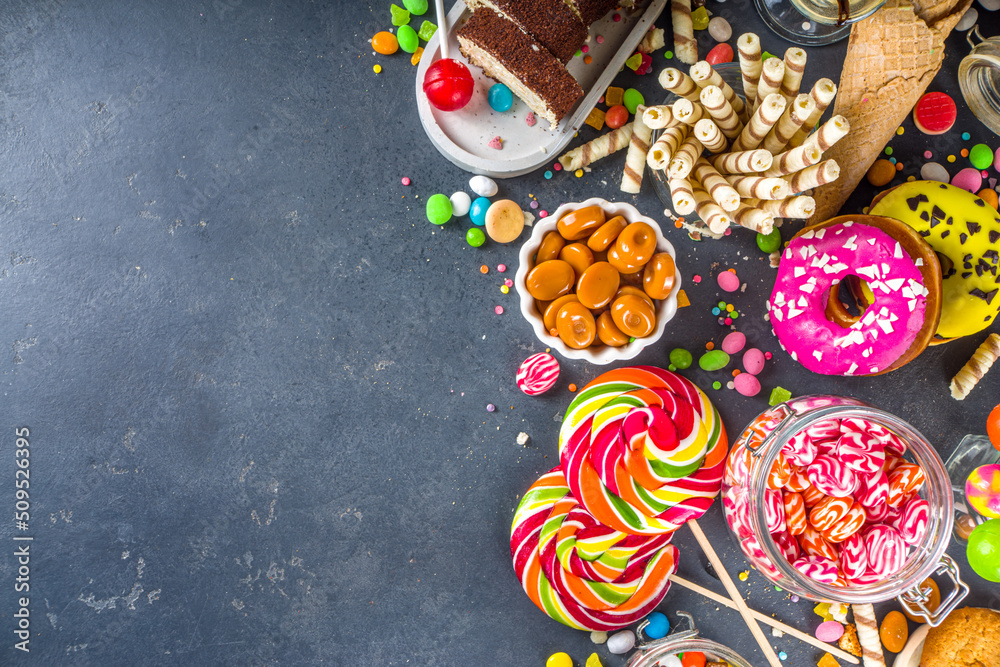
<point x="867" y="579"/>
<point x="853" y="556"/>
<point x="831" y="476"/>
<point x="537" y="374"/>
<point x="800" y="450"/>
<point x="789" y="546"/>
<point x="894" y="444"/>
<point x="795" y="512"/>
<point x="904" y="479"/>
<point x="911" y="524"/>
<point x="818" y="569"/>
<point x="780" y="473"/>
<point x="755" y="553"/>
<point x="876" y="514"/>
<point x="829" y="511"/>
<point x="814" y="544"/>
<point x="856" y="425"/>
<point x="828" y="429"/>
<point x="847" y="526"/>
<point x="735" y="504"/>
<point x="873" y="490"/>
<point x="774" y="510"/>
<point x="738" y="468"/>
<point x="886" y="549"/>
<point x="797" y="481"/>
<point x="860" y="452"/>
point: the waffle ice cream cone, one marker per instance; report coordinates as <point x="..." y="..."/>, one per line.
<point x="891" y="59"/>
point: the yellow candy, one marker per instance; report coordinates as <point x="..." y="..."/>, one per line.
<point x="614" y="96"/>
<point x="415" y="58"/>
<point x="823" y="610"/>
<point x="594" y="661"/>
<point x="595" y="119"/>
<point x="559" y="660"/>
<point x="827" y="661"/>
<point x="700" y="18"/>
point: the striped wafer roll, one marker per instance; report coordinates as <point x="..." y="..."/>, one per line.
<point x="868" y="636"/>
<point x="718" y="188"/>
<point x="771" y="74"/>
<point x="713" y="215"/>
<point x="795" y="65"/>
<point x="719" y="108"/>
<point x="592" y="151"/>
<point x="759" y="187"/>
<point x="976" y="367"/>
<point x="665" y="146"/>
<point x="825" y="172"/>
<point x="635" y="161"/>
<point x="749" y="51"/>
<point x="698" y="230"/>
<point x="681" y="195"/>
<point x="744" y="162"/>
<point x="680" y="84"/>
<point x="829" y="133"/>
<point x="795" y="115"/>
<point x="683" y="160"/>
<point x="798" y="208"/>
<point x="823" y="92"/>
<point x="763" y="119"/>
<point x="688" y="112"/>
<point x="685" y="45"/>
<point x="759" y="221"/>
<point x="794" y="160"/>
<point x="704" y="75"/>
<point x="659" y="117"/>
<point x="710" y="136"/>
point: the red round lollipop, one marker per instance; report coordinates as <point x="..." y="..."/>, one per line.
<point x="448" y="85"/>
<point x="935" y="113"/>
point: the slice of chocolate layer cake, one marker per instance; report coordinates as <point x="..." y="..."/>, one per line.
<point x="513" y="57"/>
<point x="556" y="27"/>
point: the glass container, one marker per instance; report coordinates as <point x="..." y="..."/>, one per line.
<point x="979" y="79"/>
<point x="650" y="653"/>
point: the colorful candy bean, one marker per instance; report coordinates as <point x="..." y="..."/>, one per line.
<point x="831" y="476"/>
<point x="885" y="548"/>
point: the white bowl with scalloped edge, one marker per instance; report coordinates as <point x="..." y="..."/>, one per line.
<point x="605" y="354"/>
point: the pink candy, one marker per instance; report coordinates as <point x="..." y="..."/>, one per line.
<point x="774" y="510"/>
<point x="728" y="281"/>
<point x="873" y="490"/>
<point x="831" y="476"/>
<point x="733" y="342"/>
<point x="817" y="569"/>
<point x="789" y="546"/>
<point x="800" y="450"/>
<point x="860" y="452"/>
<point x="885" y="548"/>
<point x="911" y="524"/>
<point x="537" y="374"/>
<point x="853" y="556"/>
<point x="747" y="384"/>
<point x="753" y="361"/>
<point x="829" y="631"/>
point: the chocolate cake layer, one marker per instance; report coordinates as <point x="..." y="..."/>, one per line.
<point x="592" y="10"/>
<point x="556" y="27"/>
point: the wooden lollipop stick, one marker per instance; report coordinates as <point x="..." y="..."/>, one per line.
<point x="774" y="623"/>
<point x="734" y="593"/>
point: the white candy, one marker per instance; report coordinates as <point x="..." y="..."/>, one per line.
<point x="719" y="29"/>
<point x="670" y="661"/>
<point x="968" y="19"/>
<point x="990" y="5"/>
<point x="483" y="186"/>
<point x="598" y="636"/>
<point x="460" y="204"/>
<point x="621" y="642"/>
<point x="932" y="171"/>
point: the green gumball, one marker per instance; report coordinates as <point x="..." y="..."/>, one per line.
<point x="983" y="550"/>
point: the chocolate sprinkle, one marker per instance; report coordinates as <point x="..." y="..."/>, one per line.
<point x="945" y="233"/>
<point x="913" y="203"/>
<point x="974" y="227"/>
<point x="980" y="203"/>
<point x="966" y="275"/>
<point x="963" y="237"/>
<point x="936" y="212"/>
<point x="925" y="232"/>
<point x="994" y="236"/>
<point x="935" y="222"/>
<point x="925" y="216"/>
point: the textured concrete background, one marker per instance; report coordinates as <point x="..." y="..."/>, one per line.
<point x="255" y="377"/>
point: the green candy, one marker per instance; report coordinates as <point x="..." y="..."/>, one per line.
<point x="632" y="99"/>
<point x="407" y="37"/>
<point x="716" y="385"/>
<point x="399" y="15"/>
<point x="681" y="358"/>
<point x="766" y="242"/>
<point x="713" y="360"/>
<point x="439" y="209"/>
<point x="981" y="156"/>
<point x="427" y="29"/>
<point x="779" y="395"/>
<point x="984" y="550"/>
<point x="764" y="56"/>
<point x="700" y="18"/>
<point x="417" y="7"/>
<point x="475" y="237"/>
<point x="634" y="61"/>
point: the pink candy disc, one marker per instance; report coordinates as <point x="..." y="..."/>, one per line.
<point x="774" y="510"/>
<point x="912" y="523"/>
<point x="818" y="569"/>
<point x="853" y="556"/>
<point x="800" y="450"/>
<point x="873" y="490"/>
<point x="789" y="546"/>
<point x="734" y="342"/>
<point x="728" y="281"/>
<point x="537" y="374"/>
<point x="831" y="476"/>
<point x="826" y="430"/>
<point x="747" y="384"/>
<point x="886" y="549"/>
<point x="860" y="452"/>
<point x="829" y="631"/>
<point x="753" y="361"/>
<point x="877" y="513"/>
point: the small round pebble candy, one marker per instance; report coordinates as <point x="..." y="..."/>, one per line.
<point x="632" y="99"/>
<point x="477" y="212"/>
<point x="658" y="626"/>
<point x="734" y="342"/>
<point x="417" y="7"/>
<point x="968" y="19"/>
<point x="968" y="179"/>
<point x="934" y="171"/>
<point x="935" y="113"/>
<point x="438" y="209"/>
<point x="881" y="173"/>
<point x="559" y="660"/>
<point x="894" y="631"/>
<point x="504" y="221"/>
<point x="621" y="642"/>
<point x="747" y="384"/>
<point x="490" y="407"/>
<point x="769" y="242"/>
<point x="983" y="550"/>
<point x="728" y="281"/>
<point x="407" y="37"/>
<point x="385" y="43"/>
<point x="681" y="358"/>
<point x="981" y="156"/>
<point x="670" y="661"/>
<point x="719" y="29"/>
<point x="483" y="186"/>
<point x="616" y="116"/>
<point x="720" y="53"/>
<point x="460" y="203"/>
<point x="829" y="631"/>
<point x="713" y="360"/>
<point x="500" y="97"/>
<point x="475" y="237"/>
<point x="599" y="636"/>
<point x="753" y="361"/>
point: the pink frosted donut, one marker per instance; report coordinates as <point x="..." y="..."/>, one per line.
<point x="816" y="262"/>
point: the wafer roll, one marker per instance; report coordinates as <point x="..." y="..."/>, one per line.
<point x="759" y="221"/>
<point x="771" y="74"/>
<point x="718" y="188"/>
<point x="697" y="229"/>
<point x="763" y="119"/>
<point x="635" y="161"/>
<point x="681" y="195"/>
<point x="795" y="65"/>
<point x="974" y="370"/>
<point x="665" y="146"/>
<point x="704" y="75"/>
<point x="688" y="112"/>
<point x="659" y="117"/>
<point x="749" y="51"/>
<point x="745" y="162"/>
<point x="713" y="215"/>
<point x="680" y="84"/>
<point x="683" y="160"/>
<point x="794" y="160"/>
<point x="759" y="187"/>
<point x="867" y="626"/>
<point x="798" y="208"/>
<point x="594" y="150"/>
<point x="823" y="92"/>
<point x="710" y="136"/>
<point x="719" y="108"/>
<point x="825" y="172"/>
<point x="685" y="45"/>
<point x="791" y="120"/>
<point x="829" y="133"/>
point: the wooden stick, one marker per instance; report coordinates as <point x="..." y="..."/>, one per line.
<point x="734" y="593"/>
<point x="774" y="623"/>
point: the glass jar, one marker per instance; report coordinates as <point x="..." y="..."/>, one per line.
<point x="979" y="79"/>
<point x="650" y="653"/>
<point x="744" y="489"/>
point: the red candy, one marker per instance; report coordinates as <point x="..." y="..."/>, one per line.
<point x="616" y="116"/>
<point x="860" y="452"/>
<point x="912" y="523"/>
<point x="847" y="526"/>
<point x="448" y="85"/>
<point x="537" y="374"/>
<point x="885" y="548"/>
<point x="876" y="514"/>
<point x="720" y="53"/>
<point x="853" y="556"/>
<point x="873" y="490"/>
<point x="774" y="511"/>
<point x="829" y="511"/>
<point x="822" y="570"/>
<point x="789" y="546"/>
<point x="831" y="476"/>
<point x="795" y="512"/>
<point x="800" y="450"/>
<point x="935" y="113"/>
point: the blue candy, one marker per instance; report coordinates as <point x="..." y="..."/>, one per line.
<point x="477" y="212"/>
<point x="658" y="626"/>
<point x="501" y="99"/>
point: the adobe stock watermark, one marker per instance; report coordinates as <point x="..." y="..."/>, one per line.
<point x="22" y="541"/>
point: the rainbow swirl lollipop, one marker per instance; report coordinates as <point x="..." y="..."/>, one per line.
<point x="580" y="572"/>
<point x="643" y="449"/>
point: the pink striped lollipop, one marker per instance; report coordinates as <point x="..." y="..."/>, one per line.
<point x="537" y="374"/>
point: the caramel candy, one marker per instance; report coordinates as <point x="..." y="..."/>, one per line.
<point x="636" y="244"/>
<point x="550" y="279"/>
<point x="608" y="332"/>
<point x="577" y="255"/>
<point x="504" y="221"/>
<point x="616" y="260"/>
<point x="581" y="223"/>
<point x="658" y="276"/>
<point x="932" y="603"/>
<point x="576" y="326"/>
<point x="597" y="285"/>
<point x="626" y="290"/>
<point x="550" y="312"/>
<point x="552" y="244"/>
<point x="633" y="315"/>
<point x="606" y="234"/>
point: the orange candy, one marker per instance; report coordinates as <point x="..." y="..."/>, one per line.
<point x="550" y="247"/>
<point x="577" y="255"/>
<point x="636" y="244"/>
<point x="385" y="43"/>
<point x="693" y="659"/>
<point x="581" y="223"/>
<point x="551" y="310"/>
<point x="894" y="631"/>
<point x="850" y="524"/>
<point x="781" y="472"/>
<point x="827" y="661"/>
<point x="597" y="285"/>
<point x="932" y="603"/>
<point x="993" y="427"/>
<point x="606" y="234"/>
<point x="795" y="512"/>
<point x="576" y="326"/>
<point x="620" y="263"/>
<point x="812" y="495"/>
<point x="633" y="315"/>
<point x="626" y="290"/>
<point x="608" y="332"/>
<point x="989" y="196"/>
<point x="550" y="279"/>
<point x="658" y="276"/>
<point x="829" y="511"/>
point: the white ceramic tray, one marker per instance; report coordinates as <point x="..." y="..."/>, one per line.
<point x="462" y="136"/>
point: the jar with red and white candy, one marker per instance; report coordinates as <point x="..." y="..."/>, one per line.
<point x="835" y="500"/>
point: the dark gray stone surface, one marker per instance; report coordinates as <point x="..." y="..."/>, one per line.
<point x="255" y="377"/>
